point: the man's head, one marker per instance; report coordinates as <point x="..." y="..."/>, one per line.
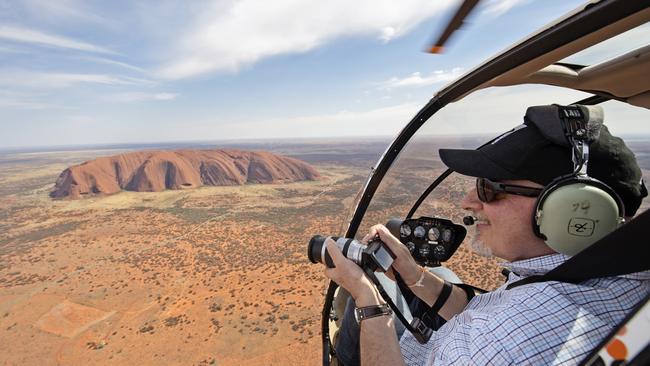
<point x="526" y="157"/>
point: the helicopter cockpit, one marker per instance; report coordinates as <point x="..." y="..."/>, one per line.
<point x="597" y="55"/>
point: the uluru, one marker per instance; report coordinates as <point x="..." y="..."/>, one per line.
<point x="155" y="171"/>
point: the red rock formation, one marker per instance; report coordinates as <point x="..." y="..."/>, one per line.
<point x="155" y="171"/>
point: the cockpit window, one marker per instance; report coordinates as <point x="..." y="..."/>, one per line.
<point x="465" y="124"/>
<point x="611" y="48"/>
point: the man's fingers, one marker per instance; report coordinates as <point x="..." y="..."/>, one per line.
<point x="334" y="251"/>
<point x="371" y="234"/>
<point x="388" y="238"/>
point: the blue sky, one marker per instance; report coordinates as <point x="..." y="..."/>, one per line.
<point x="100" y="72"/>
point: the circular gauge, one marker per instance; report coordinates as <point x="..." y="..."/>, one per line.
<point x="439" y="252"/>
<point x="447" y="234"/>
<point x="434" y="233"/>
<point x="405" y="230"/>
<point x="411" y="246"/>
<point x="419" y="232"/>
<point x="424" y="251"/>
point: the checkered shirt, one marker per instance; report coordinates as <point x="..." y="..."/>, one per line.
<point x="545" y="323"/>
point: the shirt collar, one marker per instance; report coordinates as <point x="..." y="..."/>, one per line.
<point x="535" y="266"/>
<point x="545" y="263"/>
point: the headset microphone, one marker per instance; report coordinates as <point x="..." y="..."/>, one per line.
<point x="470" y="220"/>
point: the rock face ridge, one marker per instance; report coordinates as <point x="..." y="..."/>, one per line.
<point x="155" y="171"/>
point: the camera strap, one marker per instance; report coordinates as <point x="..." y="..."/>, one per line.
<point x="417" y="327"/>
<point x="429" y="314"/>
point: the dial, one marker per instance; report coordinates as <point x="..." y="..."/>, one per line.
<point x="439" y="252"/>
<point x="434" y="233"/>
<point x="424" y="251"/>
<point x="419" y="232"/>
<point x="405" y="230"/>
<point x="411" y="246"/>
<point x="447" y="235"/>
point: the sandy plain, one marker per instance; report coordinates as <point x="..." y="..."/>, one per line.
<point x="211" y="276"/>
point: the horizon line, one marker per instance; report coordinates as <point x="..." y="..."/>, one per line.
<point x="179" y="143"/>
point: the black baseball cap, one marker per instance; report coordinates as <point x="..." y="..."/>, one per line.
<point x="525" y="153"/>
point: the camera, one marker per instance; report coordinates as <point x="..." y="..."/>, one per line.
<point x="375" y="256"/>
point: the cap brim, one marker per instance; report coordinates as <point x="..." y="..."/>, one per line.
<point x="474" y="163"/>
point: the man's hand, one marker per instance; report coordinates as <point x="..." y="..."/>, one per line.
<point x="378" y="339"/>
<point x="351" y="277"/>
<point x="411" y="272"/>
<point x="404" y="262"/>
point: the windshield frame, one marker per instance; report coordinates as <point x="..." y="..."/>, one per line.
<point x="581" y="23"/>
<point x="591" y="19"/>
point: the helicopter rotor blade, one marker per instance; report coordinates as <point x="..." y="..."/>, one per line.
<point x="455" y="23"/>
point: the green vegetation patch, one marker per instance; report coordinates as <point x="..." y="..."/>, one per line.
<point x="18" y="243"/>
<point x="25" y="186"/>
<point x="9" y="212"/>
<point x="193" y="215"/>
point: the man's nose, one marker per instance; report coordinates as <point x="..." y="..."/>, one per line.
<point x="471" y="201"/>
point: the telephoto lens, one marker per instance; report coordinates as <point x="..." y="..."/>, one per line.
<point x="317" y="251"/>
<point x="374" y="256"/>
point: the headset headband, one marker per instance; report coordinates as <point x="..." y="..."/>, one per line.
<point x="580" y="126"/>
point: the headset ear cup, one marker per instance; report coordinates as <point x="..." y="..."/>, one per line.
<point x="574" y="212"/>
<point x="539" y="205"/>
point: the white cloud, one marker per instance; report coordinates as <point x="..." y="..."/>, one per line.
<point x="65" y="11"/>
<point x="42" y="80"/>
<point x="491" y="111"/>
<point x="114" y="63"/>
<point x="139" y="97"/>
<point x="80" y="120"/>
<point x="25" y="35"/>
<point x="613" y="47"/>
<point x="231" y="35"/>
<point x="496" y="110"/>
<point x="381" y="121"/>
<point x="18" y="100"/>
<point x="13" y="103"/>
<point x="496" y="8"/>
<point x="416" y="79"/>
<point x="8" y="49"/>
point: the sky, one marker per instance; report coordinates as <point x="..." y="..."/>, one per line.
<point x="107" y="72"/>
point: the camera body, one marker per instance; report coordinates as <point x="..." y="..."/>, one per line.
<point x="375" y="256"/>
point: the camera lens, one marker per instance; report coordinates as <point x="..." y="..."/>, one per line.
<point x="315" y="248"/>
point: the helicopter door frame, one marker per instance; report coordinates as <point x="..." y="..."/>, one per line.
<point x="593" y="17"/>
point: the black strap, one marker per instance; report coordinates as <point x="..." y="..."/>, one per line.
<point x="442" y="298"/>
<point x="420" y="331"/>
<point x="506" y="273"/>
<point x="470" y="290"/>
<point x="621" y="252"/>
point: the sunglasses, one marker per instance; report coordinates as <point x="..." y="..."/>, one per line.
<point x="487" y="190"/>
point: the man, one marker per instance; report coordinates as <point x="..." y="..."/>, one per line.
<point x="538" y="323"/>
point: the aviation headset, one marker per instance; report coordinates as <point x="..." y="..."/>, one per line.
<point x="574" y="210"/>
